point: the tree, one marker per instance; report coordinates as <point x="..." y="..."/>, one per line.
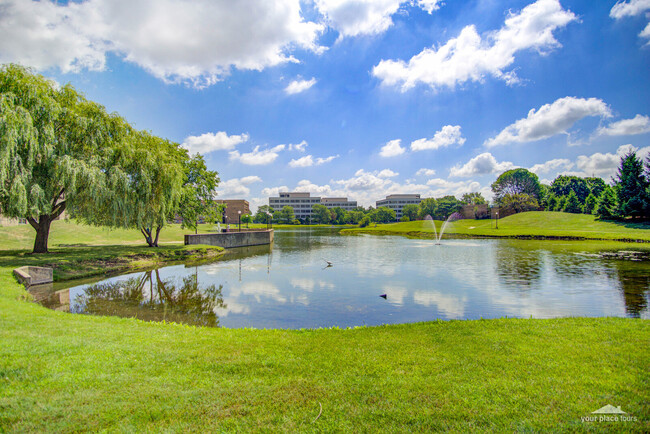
<point x="353" y="217"/>
<point x="428" y="206"/>
<point x="590" y="204"/>
<point x="596" y="186"/>
<point x="383" y="215"/>
<point x="286" y="215"/>
<point x="58" y="152"/>
<point x="514" y="182"/>
<point x="447" y="205"/>
<point x="473" y="199"/>
<point x="572" y="204"/>
<point x="519" y="202"/>
<point x="365" y="221"/>
<point x="261" y="215"/>
<point x="607" y="204"/>
<point x="198" y="192"/>
<point x="247" y="219"/>
<point x="551" y="202"/>
<point x="338" y="216"/>
<point x="631" y="187"/>
<point x="320" y="214"/>
<point x="563" y="186"/>
<point x="559" y="205"/>
<point x="404" y="219"/>
<point x="411" y="211"/>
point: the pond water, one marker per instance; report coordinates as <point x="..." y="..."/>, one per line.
<point x="290" y="285"/>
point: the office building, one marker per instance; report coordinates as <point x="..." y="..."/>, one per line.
<point x="303" y="202"/>
<point x="233" y="209"/>
<point x="396" y="202"/>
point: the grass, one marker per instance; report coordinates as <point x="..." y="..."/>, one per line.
<point x="67" y="373"/>
<point x="535" y="224"/>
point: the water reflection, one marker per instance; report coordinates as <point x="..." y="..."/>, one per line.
<point x="288" y="287"/>
<point x="150" y="298"/>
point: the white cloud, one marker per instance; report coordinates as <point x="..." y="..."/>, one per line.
<point x="308" y="161"/>
<point x="387" y="173"/>
<point x="257" y="157"/>
<point x="392" y="149"/>
<point x="447" y="136"/>
<point x="298" y="147"/>
<point x="629" y="9"/>
<point x="358" y="17"/>
<point x="556" y="165"/>
<point x="430" y="5"/>
<point x="470" y="57"/>
<point x="482" y="164"/>
<point x="174" y="42"/>
<point x="237" y="187"/>
<point x="363" y="180"/>
<point x="425" y="172"/>
<point x="550" y="119"/>
<point x="210" y="142"/>
<point x="605" y="165"/>
<point x="638" y="125"/>
<point x="298" y="86"/>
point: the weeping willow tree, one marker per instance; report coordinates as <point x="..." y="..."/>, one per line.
<point x="60" y="152"/>
<point x="57" y="151"/>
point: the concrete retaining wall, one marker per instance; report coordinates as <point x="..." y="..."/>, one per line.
<point x="33" y="275"/>
<point x="229" y="240"/>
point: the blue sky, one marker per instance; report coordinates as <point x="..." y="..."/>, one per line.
<point x="360" y="98"/>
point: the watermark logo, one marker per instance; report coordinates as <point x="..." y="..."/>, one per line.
<point x="609" y="413"/>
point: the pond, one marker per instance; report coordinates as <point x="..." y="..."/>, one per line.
<point x="377" y="280"/>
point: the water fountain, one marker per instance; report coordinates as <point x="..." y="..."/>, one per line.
<point x="437" y="237"/>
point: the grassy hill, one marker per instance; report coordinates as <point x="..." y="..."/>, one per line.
<point x="538" y="224"/>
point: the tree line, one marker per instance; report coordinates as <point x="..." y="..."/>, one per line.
<point x="439" y="209"/>
<point x="628" y="196"/>
<point x="61" y="152"/>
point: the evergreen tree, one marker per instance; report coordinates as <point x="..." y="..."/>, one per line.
<point x="559" y="205"/>
<point x="572" y="204"/>
<point x="631" y="187"/>
<point x="551" y="202"/>
<point x="590" y="204"/>
<point x="607" y="204"/>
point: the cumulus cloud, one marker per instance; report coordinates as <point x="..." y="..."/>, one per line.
<point x="629" y="9"/>
<point x="550" y="119"/>
<point x="627" y="127"/>
<point x="606" y="164"/>
<point x="387" y="173"/>
<point x="210" y="142"/>
<point x="237" y="187"/>
<point x="392" y="149"/>
<point x="482" y="164"/>
<point x="297" y="147"/>
<point x="447" y="136"/>
<point x="366" y="17"/>
<point x="556" y="165"/>
<point x="176" y="43"/>
<point x="308" y="161"/>
<point x="425" y="172"/>
<point x="470" y="56"/>
<point x="298" y="86"/>
<point x="257" y="157"/>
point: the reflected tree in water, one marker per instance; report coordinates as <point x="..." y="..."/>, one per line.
<point x="635" y="288"/>
<point x="518" y="268"/>
<point x="150" y="298"/>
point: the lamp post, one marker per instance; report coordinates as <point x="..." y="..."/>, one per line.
<point x="497" y="221"/>
<point x="239" y="220"/>
<point x="270" y="219"/>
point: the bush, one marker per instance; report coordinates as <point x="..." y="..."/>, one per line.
<point x="405" y="219"/>
<point x="364" y="222"/>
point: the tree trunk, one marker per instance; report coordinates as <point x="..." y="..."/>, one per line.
<point x="147" y="236"/>
<point x="155" y="242"/>
<point x="42" y="232"/>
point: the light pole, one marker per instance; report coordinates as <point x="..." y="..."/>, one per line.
<point x="497" y="221"/>
<point x="239" y="219"/>
<point x="270" y="219"/>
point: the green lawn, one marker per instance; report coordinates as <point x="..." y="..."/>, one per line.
<point x="64" y="373"/>
<point x="539" y="224"/>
